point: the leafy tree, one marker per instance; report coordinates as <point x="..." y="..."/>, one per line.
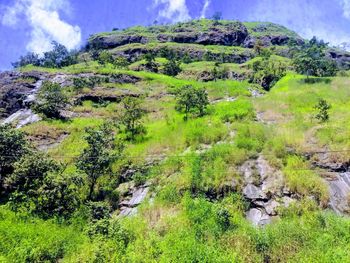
<point x="59" y="57"/>
<point x="120" y="62"/>
<point x="97" y="158"/>
<point x="58" y="195"/>
<point x="50" y="100"/>
<point x="267" y="72"/>
<point x="172" y="67"/>
<point x="131" y="117"/>
<point x="150" y="64"/>
<point x="38" y="185"/>
<point x="105" y="58"/>
<point x="311" y="60"/>
<point x="29" y="59"/>
<point x="258" y="47"/>
<point x="190" y="99"/>
<point x="13" y="146"/>
<point x="323" y="107"/>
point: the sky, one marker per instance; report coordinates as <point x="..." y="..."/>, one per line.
<point x="31" y="25"/>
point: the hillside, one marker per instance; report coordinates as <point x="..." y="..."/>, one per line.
<point x="204" y="141"/>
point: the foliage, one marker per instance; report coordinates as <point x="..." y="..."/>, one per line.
<point x="322" y="107"/>
<point x="311" y="60"/>
<point x="172" y="67"/>
<point x="97" y="158"/>
<point x="192" y="100"/>
<point x="13" y="146"/>
<point x="38" y="186"/>
<point x="150" y="64"/>
<point x="105" y="57"/>
<point x="58" y="57"/>
<point x="130" y="119"/>
<point x="266" y="72"/>
<point x="50" y="100"/>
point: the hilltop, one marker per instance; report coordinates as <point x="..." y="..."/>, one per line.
<point x="204" y="141"/>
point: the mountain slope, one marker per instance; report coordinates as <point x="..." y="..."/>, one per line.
<point x="255" y="177"/>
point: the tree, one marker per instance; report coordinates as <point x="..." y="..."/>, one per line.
<point x="150" y="64"/>
<point x="105" y="58"/>
<point x="120" y="62"/>
<point x="50" y="100"/>
<point x="258" y="47"/>
<point x="131" y="117"/>
<point x="37" y="184"/>
<point x="97" y="158"/>
<point x="59" y="57"/>
<point x="29" y="173"/>
<point x="13" y="146"/>
<point x="311" y="60"/>
<point x="172" y="67"/>
<point x="190" y="99"/>
<point x="323" y="107"/>
<point x="29" y="59"/>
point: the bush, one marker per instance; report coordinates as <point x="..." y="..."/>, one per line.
<point x="50" y="100"/>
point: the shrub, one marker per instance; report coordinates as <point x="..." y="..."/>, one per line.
<point x="50" y="100"/>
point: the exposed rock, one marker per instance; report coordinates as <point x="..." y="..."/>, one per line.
<point x="114" y="40"/>
<point x="339" y="189"/>
<point x="17" y="90"/>
<point x="21" y="118"/>
<point x="258" y="217"/>
<point x="253" y="192"/>
<point x="264" y="189"/>
<point x="129" y="206"/>
<point x="232" y="34"/>
<point x="342" y="58"/>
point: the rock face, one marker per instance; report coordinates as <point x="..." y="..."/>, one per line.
<point x="232" y="34"/>
<point x="16" y="90"/>
<point x="265" y="191"/>
<point x="196" y="53"/>
<point x="342" y="58"/>
<point x="135" y="197"/>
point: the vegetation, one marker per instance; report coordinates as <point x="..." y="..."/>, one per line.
<point x="58" y="57"/>
<point x="51" y="100"/>
<point x="126" y="179"/>
<point x="192" y="100"/>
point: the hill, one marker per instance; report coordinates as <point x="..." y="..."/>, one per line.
<point x="204" y="141"/>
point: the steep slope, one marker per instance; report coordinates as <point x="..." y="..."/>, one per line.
<point x="255" y="177"/>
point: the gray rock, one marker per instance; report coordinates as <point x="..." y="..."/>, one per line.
<point x="258" y="217"/>
<point x="252" y="192"/>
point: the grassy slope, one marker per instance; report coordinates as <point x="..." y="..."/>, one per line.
<point x="182" y="229"/>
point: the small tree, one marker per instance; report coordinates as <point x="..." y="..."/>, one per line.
<point x="97" y="158"/>
<point x="311" y="60"/>
<point x="190" y="99"/>
<point x="172" y="67"/>
<point x="131" y="117"/>
<point x="150" y="64"/>
<point x="258" y="47"/>
<point x="120" y="62"/>
<point x="27" y="178"/>
<point x="13" y="146"/>
<point x="59" y="57"/>
<point x="105" y="58"/>
<point x="51" y="100"/>
<point x="323" y="107"/>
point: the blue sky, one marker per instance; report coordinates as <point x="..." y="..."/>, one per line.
<point x="31" y="25"/>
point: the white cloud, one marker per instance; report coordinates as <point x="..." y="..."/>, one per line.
<point x="205" y="8"/>
<point x="346" y="8"/>
<point x="174" y="10"/>
<point x="305" y="17"/>
<point x="44" y="20"/>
